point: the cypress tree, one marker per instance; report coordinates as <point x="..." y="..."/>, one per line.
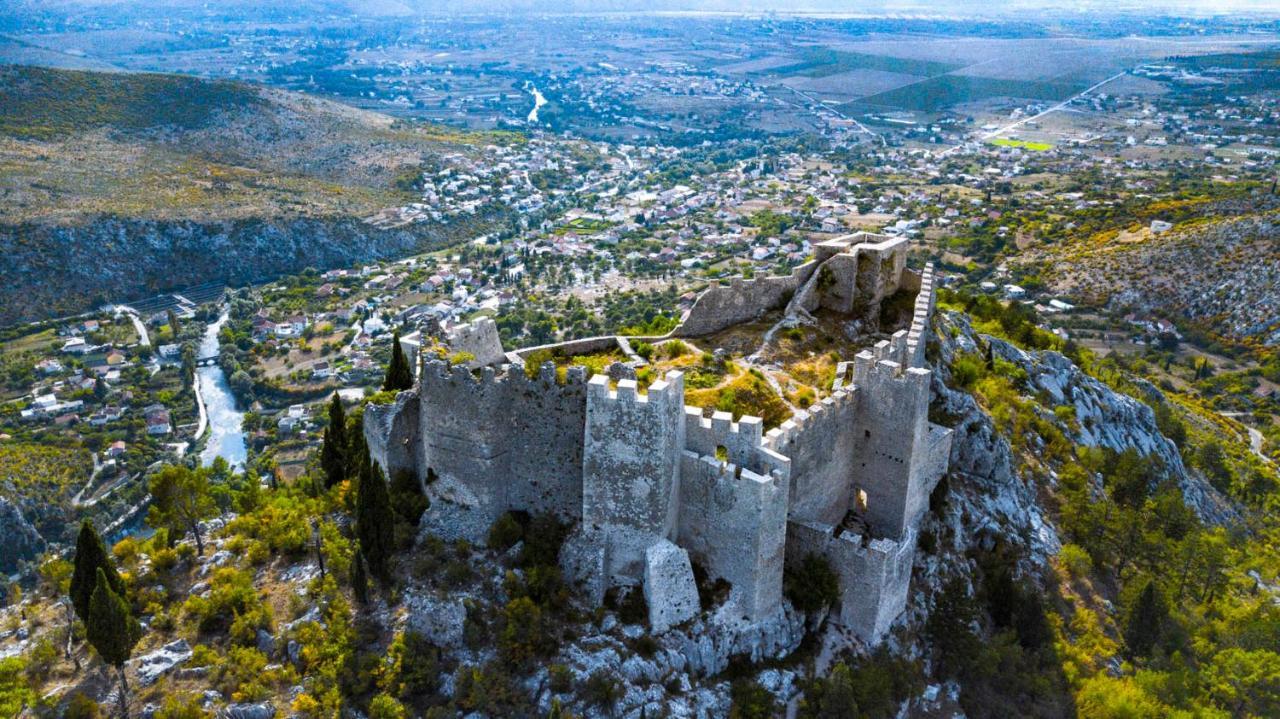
<point x="375" y="524"/>
<point x="1146" y="621"/>
<point x="334" y="458"/>
<point x="360" y="580"/>
<point x="399" y="374"/>
<point x="91" y="556"/>
<point x="112" y="631"/>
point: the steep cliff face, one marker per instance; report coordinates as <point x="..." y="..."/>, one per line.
<point x="1000" y="497"/>
<point x="22" y="543"/>
<point x="52" y="270"/>
<point x="983" y="465"/>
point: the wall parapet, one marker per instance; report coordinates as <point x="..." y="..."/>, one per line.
<point x="780" y="437"/>
<point x="742" y="300"/>
<point x="922" y="315"/>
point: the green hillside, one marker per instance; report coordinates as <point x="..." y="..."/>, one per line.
<point x="45" y="103"/>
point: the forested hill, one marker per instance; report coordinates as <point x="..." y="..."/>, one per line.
<point x="116" y="185"/>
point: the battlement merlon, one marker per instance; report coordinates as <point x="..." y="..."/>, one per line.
<point x="661" y="392"/>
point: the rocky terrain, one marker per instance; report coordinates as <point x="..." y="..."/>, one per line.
<point x="1220" y="274"/>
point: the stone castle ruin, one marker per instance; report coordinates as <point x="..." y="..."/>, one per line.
<point x="653" y="487"/>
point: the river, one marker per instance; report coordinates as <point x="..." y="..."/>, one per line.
<point x="538" y="101"/>
<point x="226" y="435"/>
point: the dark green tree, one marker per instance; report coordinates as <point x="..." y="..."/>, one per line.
<point x="375" y="523"/>
<point x="407" y="496"/>
<point x="359" y="580"/>
<point x="749" y="700"/>
<point x="1146" y="621"/>
<point x="113" y="631"/>
<point x="180" y="500"/>
<point x="950" y="630"/>
<point x="399" y="374"/>
<point x="91" y="556"/>
<point x="832" y="697"/>
<point x="334" y="452"/>
<point x="174" y="327"/>
<point x="812" y="585"/>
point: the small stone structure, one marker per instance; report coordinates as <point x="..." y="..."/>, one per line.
<point x="653" y="487"/>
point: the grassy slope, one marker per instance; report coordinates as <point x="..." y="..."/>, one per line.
<point x="75" y="144"/>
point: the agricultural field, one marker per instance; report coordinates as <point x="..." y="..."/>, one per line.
<point x="1022" y="144"/>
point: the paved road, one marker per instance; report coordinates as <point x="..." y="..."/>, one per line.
<point x="1256" y="437"/>
<point x="144" y="339"/>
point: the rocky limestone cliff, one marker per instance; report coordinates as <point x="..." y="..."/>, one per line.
<point x="21" y="542"/>
<point x="53" y="270"/>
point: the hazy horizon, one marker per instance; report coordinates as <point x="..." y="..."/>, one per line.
<point x="992" y="8"/>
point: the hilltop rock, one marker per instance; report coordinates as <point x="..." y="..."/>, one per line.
<point x="261" y="710"/>
<point x="151" y="666"/>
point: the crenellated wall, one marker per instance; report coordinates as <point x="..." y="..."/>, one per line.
<point x="742" y="300"/>
<point x="650" y="483"/>
<point x="479" y="432"/>
<point x="630" y="467"/>
<point x="820" y="443"/>
<point x="874" y="576"/>
<point x="921" y="316"/>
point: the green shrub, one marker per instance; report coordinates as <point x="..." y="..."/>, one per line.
<point x="560" y="678"/>
<point x="489" y="690"/>
<point x="813" y="585"/>
<point x="505" y="533"/>
<point x="243" y="675"/>
<point x="385" y="706"/>
<point x="749" y="700"/>
<point x="232" y="604"/>
<point x="81" y="706"/>
<point x="967" y="369"/>
<point x="675" y="348"/>
<point x="525" y="634"/>
<point x="601" y="689"/>
<point x="419" y="662"/>
<point x="1075" y="560"/>
<point x="182" y="706"/>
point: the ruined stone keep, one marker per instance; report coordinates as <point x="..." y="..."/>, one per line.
<point x="652" y="486"/>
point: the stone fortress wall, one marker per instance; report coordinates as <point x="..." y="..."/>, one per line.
<point x="652" y="486"/>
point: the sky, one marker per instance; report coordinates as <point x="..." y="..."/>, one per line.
<point x="962" y="7"/>
<point x="1015" y="8"/>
